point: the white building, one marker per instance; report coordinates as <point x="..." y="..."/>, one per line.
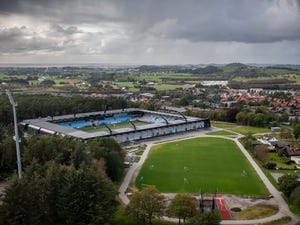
<point x="296" y="159"/>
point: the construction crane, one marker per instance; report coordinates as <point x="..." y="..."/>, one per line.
<point x="16" y="137"/>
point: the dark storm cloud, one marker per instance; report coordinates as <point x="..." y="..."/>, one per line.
<point x="136" y="27"/>
<point x="56" y="28"/>
<point x="17" y="6"/>
<point x="241" y="21"/>
<point x="11" y="34"/>
<point x="22" y="39"/>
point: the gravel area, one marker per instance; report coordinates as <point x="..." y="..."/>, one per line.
<point x="276" y="176"/>
<point x="234" y="201"/>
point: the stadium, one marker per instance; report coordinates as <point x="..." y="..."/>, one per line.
<point x="123" y="124"/>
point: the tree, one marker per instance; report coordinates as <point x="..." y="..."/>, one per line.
<point x="241" y="117"/>
<point x="231" y="114"/>
<point x="146" y="204"/>
<point x="79" y="156"/>
<point x="182" y="206"/>
<point x="286" y="134"/>
<point x="69" y="151"/>
<point x="270" y="166"/>
<point x="48" y="83"/>
<point x="295" y="196"/>
<point x="296" y="131"/>
<point x="7" y="156"/>
<point x="113" y="155"/>
<point x="284" y="117"/>
<point x="206" y="218"/>
<point x="287" y="184"/>
<point x="249" y="141"/>
<point x="54" y="194"/>
<point x="259" y="120"/>
<point x="114" y="166"/>
<point x="261" y="153"/>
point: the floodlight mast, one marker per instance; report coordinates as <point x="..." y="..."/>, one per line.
<point x="16" y="137"/>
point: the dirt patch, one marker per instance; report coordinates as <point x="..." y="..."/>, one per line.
<point x="244" y="202"/>
<point x="251" y="207"/>
<point x="256" y="212"/>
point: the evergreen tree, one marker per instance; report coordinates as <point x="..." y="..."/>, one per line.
<point x="55" y="194"/>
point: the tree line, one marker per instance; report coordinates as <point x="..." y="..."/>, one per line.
<point x="34" y="106"/>
<point x="148" y="204"/>
<point x="65" y="181"/>
<point x="260" y="117"/>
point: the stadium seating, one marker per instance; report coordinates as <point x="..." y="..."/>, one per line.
<point x="109" y="120"/>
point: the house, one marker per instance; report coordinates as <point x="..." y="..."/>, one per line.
<point x="229" y="104"/>
<point x="147" y="96"/>
<point x="280" y="144"/>
<point x="268" y="140"/>
<point x="296" y="159"/>
<point x="275" y="129"/>
<point x="290" y="151"/>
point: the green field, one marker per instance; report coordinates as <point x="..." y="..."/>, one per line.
<point x="288" y="76"/>
<point x="200" y="164"/>
<point x="222" y="133"/>
<point x="240" y="129"/>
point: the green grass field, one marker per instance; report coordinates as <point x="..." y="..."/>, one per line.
<point x="222" y="133"/>
<point x="200" y="164"/>
<point x="239" y="128"/>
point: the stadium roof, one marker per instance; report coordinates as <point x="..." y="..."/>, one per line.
<point x="49" y="124"/>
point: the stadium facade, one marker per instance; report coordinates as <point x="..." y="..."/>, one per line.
<point x="150" y="124"/>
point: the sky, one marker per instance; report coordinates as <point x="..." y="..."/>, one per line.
<point x="150" y="31"/>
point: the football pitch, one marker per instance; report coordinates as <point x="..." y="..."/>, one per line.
<point x="112" y="126"/>
<point x="197" y="165"/>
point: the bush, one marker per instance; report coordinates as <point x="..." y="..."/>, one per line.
<point x="270" y="166"/>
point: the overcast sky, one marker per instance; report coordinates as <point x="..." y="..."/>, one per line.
<point x="150" y="31"/>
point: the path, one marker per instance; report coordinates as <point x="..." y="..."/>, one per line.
<point x="134" y="168"/>
<point x="283" y="207"/>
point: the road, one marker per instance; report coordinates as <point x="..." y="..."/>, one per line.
<point x="283" y="207"/>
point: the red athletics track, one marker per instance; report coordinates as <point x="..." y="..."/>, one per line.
<point x="222" y="207"/>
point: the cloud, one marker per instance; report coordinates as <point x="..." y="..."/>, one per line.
<point x="242" y="21"/>
<point x="118" y="29"/>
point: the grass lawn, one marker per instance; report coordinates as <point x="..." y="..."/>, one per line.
<point x="240" y="129"/>
<point x="200" y="164"/>
<point x="165" y="87"/>
<point x="112" y="126"/>
<point x="274" y="157"/>
<point x="4" y="76"/>
<point x="256" y="212"/>
<point x="245" y="79"/>
<point x="222" y="133"/>
<point x="129" y="85"/>
<point x="281" y="221"/>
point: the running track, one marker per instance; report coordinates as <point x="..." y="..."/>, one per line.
<point x="222" y="207"/>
